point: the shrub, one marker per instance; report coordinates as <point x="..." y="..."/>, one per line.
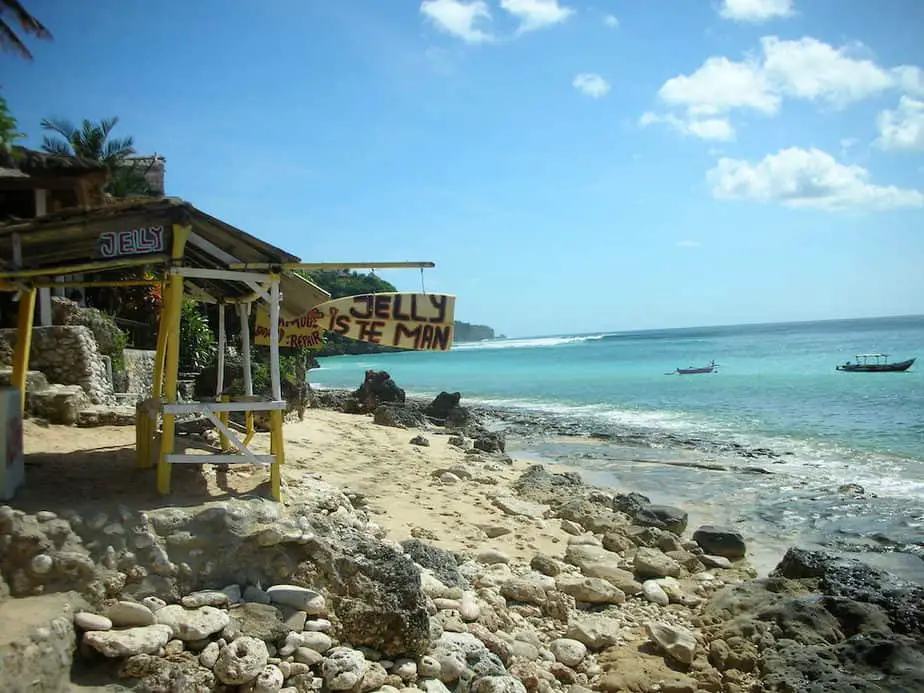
<point x="197" y="343"/>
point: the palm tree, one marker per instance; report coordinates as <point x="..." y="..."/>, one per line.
<point x="92" y="141"/>
<point x="9" y="40"/>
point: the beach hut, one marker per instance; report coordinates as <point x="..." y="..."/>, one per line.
<point x="199" y="257"/>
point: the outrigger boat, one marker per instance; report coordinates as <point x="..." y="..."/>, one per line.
<point x="694" y="371"/>
<point x="875" y="363"/>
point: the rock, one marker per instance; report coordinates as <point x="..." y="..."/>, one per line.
<point x="429" y="667"/>
<point x="205" y="598"/>
<point x="720" y="541"/>
<point x="300" y="598"/>
<point x="494" y="531"/>
<point x="572" y="528"/>
<point x="677" y="642"/>
<point x="517" y="507"/>
<point x="261" y="621"/>
<point x="41" y="564"/>
<point x="449" y="478"/>
<point x="173" y="648"/>
<point x="421" y="441"/>
<point x="528" y="589"/>
<point x="321" y="642"/>
<point x="440" y="561"/>
<point x="490" y="442"/>
<point x="715" y="561"/>
<point x="630" y="503"/>
<point x="399" y="416"/>
<point x="306" y="655"/>
<point x="590" y="590"/>
<point x="132" y="641"/>
<point x="651" y="563"/>
<point x="87" y="621"/>
<point x="374" y="678"/>
<point x="545" y="565"/>
<point x="209" y="655"/>
<point x="125" y="614"/>
<point x="567" y="651"/>
<point x="153" y="603"/>
<point x="233" y="593"/>
<point x="269" y="680"/>
<point x="377" y="388"/>
<point x="254" y="594"/>
<point x="457" y="441"/>
<point x="654" y="593"/>
<point x="343" y="669"/>
<point x="498" y="684"/>
<point x="617" y="542"/>
<point x="241" y="661"/>
<point x="181" y="672"/>
<point x="193" y="624"/>
<point x="443" y="404"/>
<point x="468" y="607"/>
<point x="596" y="631"/>
<point x="491" y="556"/>
<point x="663" y="517"/>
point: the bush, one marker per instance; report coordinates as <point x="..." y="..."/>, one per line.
<point x="197" y="343"/>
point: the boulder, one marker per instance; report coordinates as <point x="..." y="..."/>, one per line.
<point x="442" y="405"/>
<point x="378" y="388"/>
<point x="663" y="517"/>
<point x="128" y="642"/>
<point x="490" y="442"/>
<point x="720" y="541"/>
<point x="677" y="642"/>
<point x="651" y="563"/>
<point x="398" y="415"/>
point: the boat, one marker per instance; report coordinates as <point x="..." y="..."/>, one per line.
<point x="875" y="363"/>
<point x="694" y="371"/>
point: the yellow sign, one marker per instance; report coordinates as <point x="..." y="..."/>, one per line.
<point x="304" y="332"/>
<point x="419" y="322"/>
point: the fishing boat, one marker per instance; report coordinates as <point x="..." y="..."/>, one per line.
<point x="875" y="363"/>
<point x="694" y="371"/>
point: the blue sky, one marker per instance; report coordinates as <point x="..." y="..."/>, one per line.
<point x="569" y="166"/>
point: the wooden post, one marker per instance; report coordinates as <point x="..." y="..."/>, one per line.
<point x="274" y="338"/>
<point x="23" y="343"/>
<point x="220" y="377"/>
<point x="174" y="302"/>
<point x="244" y="309"/>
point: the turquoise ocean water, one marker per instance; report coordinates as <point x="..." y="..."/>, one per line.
<point x="776" y="388"/>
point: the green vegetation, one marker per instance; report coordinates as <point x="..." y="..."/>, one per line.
<point x="9" y="132"/>
<point x="197" y="341"/>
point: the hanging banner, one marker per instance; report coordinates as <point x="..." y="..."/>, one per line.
<point x="302" y="333"/>
<point x="419" y="322"/>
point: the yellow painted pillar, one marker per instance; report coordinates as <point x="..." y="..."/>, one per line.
<point x="174" y="304"/>
<point x="147" y="424"/>
<point x="163" y="331"/>
<point x="225" y="418"/>
<point x="23" y="343"/>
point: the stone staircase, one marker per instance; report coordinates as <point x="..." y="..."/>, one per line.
<point x="67" y="404"/>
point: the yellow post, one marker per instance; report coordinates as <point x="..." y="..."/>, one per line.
<point x="23" y="343"/>
<point x="147" y="425"/>
<point x="248" y="418"/>
<point x="163" y="330"/>
<point x="278" y="447"/>
<point x="174" y="303"/>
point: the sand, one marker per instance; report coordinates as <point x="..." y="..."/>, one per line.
<point x="348" y="451"/>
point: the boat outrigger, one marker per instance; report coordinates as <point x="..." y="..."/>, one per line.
<point x="711" y="368"/>
<point x="875" y="363"/>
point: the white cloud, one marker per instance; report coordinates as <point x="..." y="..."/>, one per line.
<point x="718" y="129"/>
<point x="611" y="21"/>
<point x="688" y="244"/>
<point x="902" y="128"/>
<point x="719" y="86"/>
<point x="590" y="84"/>
<point x="807" y="178"/>
<point x="811" y="69"/>
<point x="460" y="19"/>
<point x="805" y="68"/>
<point x="755" y="10"/>
<point x="536" y="14"/>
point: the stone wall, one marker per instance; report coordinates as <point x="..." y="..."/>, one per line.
<point x="67" y="355"/>
<point x="139" y="369"/>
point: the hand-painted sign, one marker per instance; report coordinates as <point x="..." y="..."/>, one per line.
<point x="422" y="322"/>
<point x="304" y="332"/>
<point x="140" y="241"/>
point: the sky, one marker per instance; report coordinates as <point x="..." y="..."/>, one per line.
<point x="569" y="166"/>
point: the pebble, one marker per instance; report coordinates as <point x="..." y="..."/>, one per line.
<point x="241" y="661"/>
<point x="205" y="598"/>
<point x="301" y="598"/>
<point x="269" y="680"/>
<point x="306" y="655"/>
<point x="42" y="564"/>
<point x="468" y="607"/>
<point x="125" y="614"/>
<point x="715" y="561"/>
<point x="252" y="593"/>
<point x="428" y="667"/>
<point x="154" y="603"/>
<point x="321" y="625"/>
<point x="654" y="593"/>
<point x="677" y="642"/>
<point x="343" y="669"/>
<point x="87" y="621"/>
<point x="193" y="624"/>
<point x="209" y="655"/>
<point x="406" y="669"/>
<point x="567" y="651"/>
<point x="492" y="556"/>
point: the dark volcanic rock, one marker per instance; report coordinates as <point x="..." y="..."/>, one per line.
<point x="720" y="541"/>
<point x="440" y="561"/>
<point x="490" y="442"/>
<point x="399" y="416"/>
<point x="443" y="404"/>
<point x="377" y="388"/>
<point x="663" y="517"/>
<point x="630" y="503"/>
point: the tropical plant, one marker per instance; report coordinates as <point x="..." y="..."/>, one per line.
<point x="9" y="132"/>
<point x="197" y="343"/>
<point x="9" y="39"/>
<point x="92" y="141"/>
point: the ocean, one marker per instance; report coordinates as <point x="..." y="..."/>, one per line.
<point x="767" y="444"/>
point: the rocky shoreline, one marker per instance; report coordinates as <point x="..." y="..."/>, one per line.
<point x="248" y="595"/>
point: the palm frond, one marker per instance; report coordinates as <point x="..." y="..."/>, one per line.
<point x="116" y="150"/>
<point x="55" y="145"/>
<point x="29" y="24"/>
<point x="63" y="127"/>
<point x="9" y="41"/>
<point x="107" y="124"/>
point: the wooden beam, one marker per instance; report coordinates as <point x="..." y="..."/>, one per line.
<point x="97" y="266"/>
<point x="291" y="266"/>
